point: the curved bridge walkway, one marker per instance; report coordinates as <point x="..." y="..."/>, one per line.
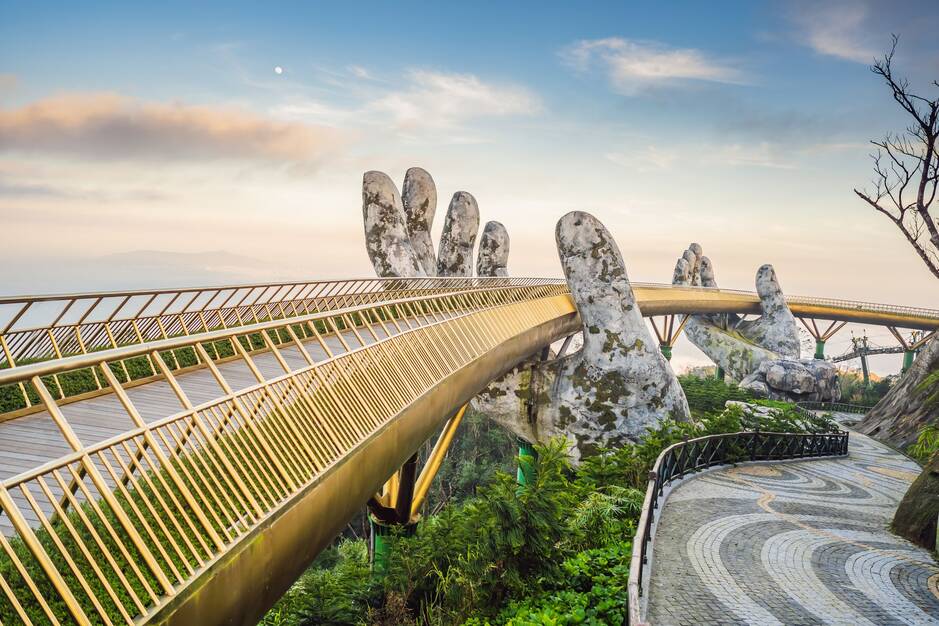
<point x="802" y="542"/>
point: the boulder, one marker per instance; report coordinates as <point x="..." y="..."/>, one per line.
<point x="794" y="380"/>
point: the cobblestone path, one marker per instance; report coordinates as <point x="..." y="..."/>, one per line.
<point x="793" y="543"/>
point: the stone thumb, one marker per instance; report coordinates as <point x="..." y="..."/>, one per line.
<point x="596" y="275"/>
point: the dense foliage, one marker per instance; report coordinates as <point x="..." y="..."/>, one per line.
<point x="554" y="551"/>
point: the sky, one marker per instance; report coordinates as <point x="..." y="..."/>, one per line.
<point x="168" y="144"/>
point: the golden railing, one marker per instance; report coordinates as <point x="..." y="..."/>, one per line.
<point x="146" y="525"/>
<point x="52" y="326"/>
<point x="35" y="328"/>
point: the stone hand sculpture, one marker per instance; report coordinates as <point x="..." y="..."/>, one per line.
<point x="761" y="354"/>
<point x="397" y="230"/>
<point x="618" y="385"/>
<point x="734" y="344"/>
<point x="610" y="391"/>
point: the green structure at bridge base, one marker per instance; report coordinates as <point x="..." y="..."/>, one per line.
<point x="820" y="349"/>
<point x="666" y="350"/>
<point x="526" y="462"/>
<point x="908" y="357"/>
<point x="379" y="533"/>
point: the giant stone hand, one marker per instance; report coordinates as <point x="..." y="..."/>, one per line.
<point x="609" y="392"/>
<point x="618" y="385"/>
<point x="735" y="344"/>
<point x="761" y="354"/>
<point x="397" y="230"/>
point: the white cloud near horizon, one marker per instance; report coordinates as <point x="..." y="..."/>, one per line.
<point x="107" y="126"/>
<point x="632" y="65"/>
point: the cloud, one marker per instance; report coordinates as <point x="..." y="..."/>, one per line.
<point x="109" y="126"/>
<point x="836" y="30"/>
<point x="360" y="72"/>
<point x="445" y="101"/>
<point x="632" y="65"/>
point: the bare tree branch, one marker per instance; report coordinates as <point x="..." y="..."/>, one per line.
<point x="904" y="162"/>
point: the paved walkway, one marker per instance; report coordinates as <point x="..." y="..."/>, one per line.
<point x="793" y="543"/>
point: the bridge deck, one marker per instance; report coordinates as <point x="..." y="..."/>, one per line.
<point x="32" y="440"/>
<point x="793" y="543"/>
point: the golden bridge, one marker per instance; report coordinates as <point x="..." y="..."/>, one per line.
<point x="181" y="456"/>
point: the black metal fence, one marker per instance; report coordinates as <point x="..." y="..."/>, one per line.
<point x="837" y="407"/>
<point x="693" y="455"/>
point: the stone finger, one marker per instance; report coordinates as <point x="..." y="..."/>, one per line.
<point x="386" y="237"/>
<point x="493" y="256"/>
<point x="455" y="254"/>
<point x="419" y="195"/>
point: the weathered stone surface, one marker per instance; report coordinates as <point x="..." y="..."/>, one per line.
<point x="386" y="236"/>
<point x="493" y="256"/>
<point x="455" y="255"/>
<point x="897" y="420"/>
<point x="795" y="380"/>
<point x="903" y="412"/>
<point x="618" y="385"/>
<point x="611" y="390"/>
<point x="737" y="345"/>
<point x="419" y="195"/>
<point x="776" y="328"/>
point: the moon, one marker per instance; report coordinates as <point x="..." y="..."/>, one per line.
<point x="278" y="69"/>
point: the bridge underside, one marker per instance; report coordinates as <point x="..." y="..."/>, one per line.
<point x="244" y="582"/>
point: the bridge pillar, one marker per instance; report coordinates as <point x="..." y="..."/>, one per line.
<point x="666" y="350"/>
<point x="865" y="371"/>
<point x="379" y="534"/>
<point x="908" y="357"/>
<point x="392" y="513"/>
<point x="820" y="349"/>
<point x="526" y="462"/>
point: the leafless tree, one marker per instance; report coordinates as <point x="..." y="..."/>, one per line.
<point x="906" y="166"/>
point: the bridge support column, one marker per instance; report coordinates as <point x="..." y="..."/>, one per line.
<point x="391" y="511"/>
<point x="526" y="462"/>
<point x="820" y="349"/>
<point x="668" y="334"/>
<point x="821" y="336"/>
<point x="865" y="371"/>
<point x="379" y="534"/>
<point x="908" y="357"/>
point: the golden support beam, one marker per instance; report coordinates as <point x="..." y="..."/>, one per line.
<point x="432" y="466"/>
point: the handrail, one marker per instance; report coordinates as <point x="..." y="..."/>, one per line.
<point x="692" y="455"/>
<point x="83" y="322"/>
<point x="838" y="407"/>
<point x="53" y="326"/>
<point x="273" y="329"/>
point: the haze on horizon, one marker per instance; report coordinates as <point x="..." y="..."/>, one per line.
<point x="155" y="145"/>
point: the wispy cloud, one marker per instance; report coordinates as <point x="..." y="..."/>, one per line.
<point x="360" y="72"/>
<point x="633" y="65"/>
<point x="835" y="29"/>
<point x="110" y="126"/>
<point x="445" y="100"/>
